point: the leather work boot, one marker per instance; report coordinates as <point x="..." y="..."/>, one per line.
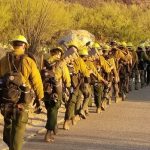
<point x="87" y="112"/>
<point x="48" y="136"/>
<point x="123" y="97"/>
<point x="104" y="105"/>
<point x="66" y="125"/>
<point x="55" y="131"/>
<point x="75" y="119"/>
<point x="117" y="99"/>
<point x="82" y="114"/>
<point x="109" y="101"/>
<point x="136" y="87"/>
<point x="98" y="110"/>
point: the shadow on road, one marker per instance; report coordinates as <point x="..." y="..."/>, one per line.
<point x="96" y="142"/>
<point x="141" y="95"/>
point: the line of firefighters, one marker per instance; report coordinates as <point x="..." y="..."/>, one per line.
<point x="103" y="72"/>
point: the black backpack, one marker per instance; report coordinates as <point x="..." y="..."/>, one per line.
<point x="48" y="78"/>
<point x="51" y="86"/>
<point x="11" y="83"/>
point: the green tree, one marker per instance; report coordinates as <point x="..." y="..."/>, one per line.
<point x="5" y="17"/>
<point x="38" y="20"/>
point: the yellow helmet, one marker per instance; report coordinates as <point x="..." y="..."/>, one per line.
<point x="129" y="45"/>
<point x="142" y="46"/>
<point x="147" y="45"/>
<point x="21" y="38"/>
<point x="83" y="52"/>
<point x="123" y="44"/>
<point x="57" y="48"/>
<point x="96" y="45"/>
<point x="75" y="43"/>
<point x="106" y="47"/>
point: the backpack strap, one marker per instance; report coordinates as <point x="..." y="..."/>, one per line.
<point x="11" y="61"/>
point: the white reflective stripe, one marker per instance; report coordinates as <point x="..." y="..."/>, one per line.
<point x="26" y="91"/>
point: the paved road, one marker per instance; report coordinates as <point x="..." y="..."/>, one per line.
<point x="123" y="126"/>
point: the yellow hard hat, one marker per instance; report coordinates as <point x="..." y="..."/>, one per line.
<point x="21" y="38"/>
<point x="123" y="44"/>
<point x="57" y="48"/>
<point x="129" y="45"/>
<point x="96" y="45"/>
<point x="75" y="43"/>
<point x="106" y="47"/>
<point x="147" y="45"/>
<point x="142" y="45"/>
<point x="83" y="52"/>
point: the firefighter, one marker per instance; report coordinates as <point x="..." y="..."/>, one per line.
<point x="15" y="122"/>
<point x="55" y="75"/>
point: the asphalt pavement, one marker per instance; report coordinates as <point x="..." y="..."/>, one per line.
<point x="123" y="126"/>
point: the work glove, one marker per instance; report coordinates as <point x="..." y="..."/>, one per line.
<point x="38" y="106"/>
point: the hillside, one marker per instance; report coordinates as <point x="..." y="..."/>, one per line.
<point x="93" y="3"/>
